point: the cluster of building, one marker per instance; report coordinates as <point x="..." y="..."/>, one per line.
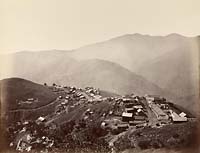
<point x="92" y="91"/>
<point x="27" y="101"/>
<point x="126" y="112"/>
<point x="68" y="97"/>
<point x="28" y="136"/>
<point x="164" y="111"/>
<point x="132" y="112"/>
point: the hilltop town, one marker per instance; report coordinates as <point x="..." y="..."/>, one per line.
<point x="90" y="119"/>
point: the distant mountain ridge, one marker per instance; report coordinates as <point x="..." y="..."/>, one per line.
<point x="132" y="50"/>
<point x="101" y="74"/>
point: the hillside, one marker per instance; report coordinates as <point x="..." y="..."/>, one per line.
<point x="181" y="68"/>
<point x="15" y="89"/>
<point x="110" y="77"/>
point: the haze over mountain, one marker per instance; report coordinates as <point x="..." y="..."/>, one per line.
<point x="63" y="70"/>
<point x="176" y="70"/>
<point x="169" y="63"/>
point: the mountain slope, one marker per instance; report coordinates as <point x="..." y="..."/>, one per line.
<point x="14" y="89"/>
<point x="177" y="72"/>
<point x="108" y="76"/>
<point x="30" y="65"/>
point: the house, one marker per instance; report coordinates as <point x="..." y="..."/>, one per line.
<point x="60" y="97"/>
<point x="129" y="105"/>
<point x="140" y="112"/>
<point x="123" y="126"/>
<point x="130" y="110"/>
<point x="182" y="114"/>
<point x="30" y="99"/>
<point x="164" y="106"/>
<point x="23" y="141"/>
<point x="137" y="98"/>
<point x="127" y="100"/>
<point x="141" y="125"/>
<point x="177" y="118"/>
<point x="155" y="98"/>
<point x="127" y="117"/>
<point x="136" y="122"/>
<point x="138" y="107"/>
<point x="40" y="120"/>
<point x="139" y="118"/>
<point x="97" y="98"/>
<point x="149" y="98"/>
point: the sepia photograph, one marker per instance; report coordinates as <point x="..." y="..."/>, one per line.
<point x="99" y="76"/>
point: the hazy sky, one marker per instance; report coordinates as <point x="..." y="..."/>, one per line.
<point x="68" y="24"/>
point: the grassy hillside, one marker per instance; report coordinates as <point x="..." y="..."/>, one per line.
<point x="15" y="89"/>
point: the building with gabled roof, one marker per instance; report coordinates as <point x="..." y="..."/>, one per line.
<point x="160" y="114"/>
<point x="127" y="116"/>
<point x="177" y="118"/>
